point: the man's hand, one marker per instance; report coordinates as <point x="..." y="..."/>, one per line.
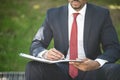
<point x="53" y="55"/>
<point x="86" y="65"/>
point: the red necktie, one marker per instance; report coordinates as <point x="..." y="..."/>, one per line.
<point x="73" y="72"/>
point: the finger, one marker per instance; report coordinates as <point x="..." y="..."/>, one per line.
<point x="79" y="63"/>
<point x="82" y="60"/>
<point x="71" y="63"/>
<point x="53" y="56"/>
<point x="77" y="66"/>
<point x="75" y="63"/>
<point x="58" y="53"/>
<point x="81" y="66"/>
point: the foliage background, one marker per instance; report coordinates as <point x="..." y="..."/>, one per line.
<point x="19" y="21"/>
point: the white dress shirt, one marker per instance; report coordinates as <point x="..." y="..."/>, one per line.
<point x="80" y="26"/>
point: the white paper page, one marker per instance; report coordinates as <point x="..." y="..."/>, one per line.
<point x="45" y="60"/>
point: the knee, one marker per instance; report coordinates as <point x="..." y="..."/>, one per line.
<point x="34" y="67"/>
<point x="35" y="64"/>
<point x="111" y="67"/>
<point x="33" y="70"/>
<point x="112" y="71"/>
<point x="31" y="64"/>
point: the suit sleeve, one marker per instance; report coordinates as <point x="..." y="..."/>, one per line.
<point x="41" y="39"/>
<point x="109" y="40"/>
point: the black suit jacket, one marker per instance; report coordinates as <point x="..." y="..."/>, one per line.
<point x="99" y="33"/>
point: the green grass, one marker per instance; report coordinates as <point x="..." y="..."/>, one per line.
<point x="19" y="21"/>
<point x="18" y="25"/>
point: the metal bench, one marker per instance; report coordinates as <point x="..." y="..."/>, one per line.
<point x="12" y="76"/>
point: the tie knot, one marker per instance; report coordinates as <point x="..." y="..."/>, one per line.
<point x="75" y="15"/>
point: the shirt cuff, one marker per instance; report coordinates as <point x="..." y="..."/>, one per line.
<point x="42" y="53"/>
<point x="101" y="61"/>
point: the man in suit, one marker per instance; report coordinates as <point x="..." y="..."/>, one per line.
<point x="95" y="37"/>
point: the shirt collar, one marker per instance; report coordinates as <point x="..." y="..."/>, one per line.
<point x="82" y="11"/>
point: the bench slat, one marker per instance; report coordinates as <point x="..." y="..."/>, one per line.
<point x="12" y="76"/>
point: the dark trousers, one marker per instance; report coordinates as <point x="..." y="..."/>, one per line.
<point x="42" y="71"/>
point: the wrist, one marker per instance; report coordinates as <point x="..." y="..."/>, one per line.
<point x="97" y="64"/>
<point x="45" y="55"/>
<point x="101" y="61"/>
<point x="42" y="53"/>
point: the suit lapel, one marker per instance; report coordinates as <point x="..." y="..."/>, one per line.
<point x="87" y="25"/>
<point x="64" y="26"/>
